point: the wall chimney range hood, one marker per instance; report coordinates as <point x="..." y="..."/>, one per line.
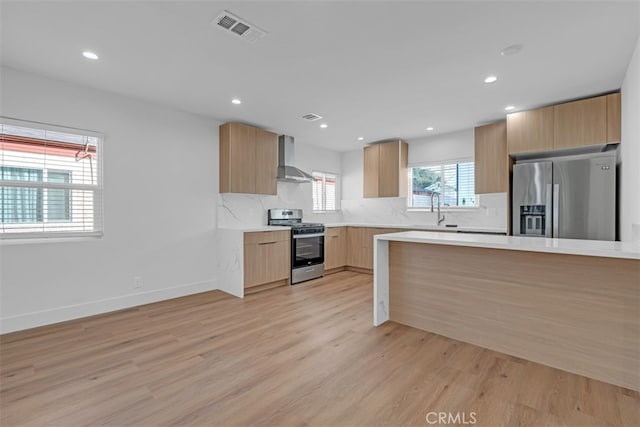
<point x="286" y="158"/>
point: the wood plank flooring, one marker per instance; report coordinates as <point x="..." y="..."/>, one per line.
<point x="306" y="355"/>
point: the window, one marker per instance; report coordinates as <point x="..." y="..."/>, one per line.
<point x="325" y="193"/>
<point x="452" y="182"/>
<point x="50" y="184"/>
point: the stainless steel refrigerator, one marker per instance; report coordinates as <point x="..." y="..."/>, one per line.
<point x="567" y="197"/>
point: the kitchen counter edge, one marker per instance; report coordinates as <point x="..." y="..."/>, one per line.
<point x="596" y="248"/>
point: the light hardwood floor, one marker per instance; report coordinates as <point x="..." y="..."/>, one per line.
<point x="302" y="355"/>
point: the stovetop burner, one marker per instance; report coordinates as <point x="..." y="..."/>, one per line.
<point x="306" y="225"/>
<point x="293" y="218"/>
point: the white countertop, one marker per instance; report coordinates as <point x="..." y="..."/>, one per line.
<point x="425" y="227"/>
<point x="628" y="250"/>
<point x="250" y="229"/>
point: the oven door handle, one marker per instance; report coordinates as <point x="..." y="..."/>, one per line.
<point x="304" y="236"/>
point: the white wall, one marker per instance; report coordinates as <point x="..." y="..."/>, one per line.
<point x="160" y="185"/>
<point x="451" y="146"/>
<point x="248" y="210"/>
<point x="630" y="151"/>
<point x="491" y="211"/>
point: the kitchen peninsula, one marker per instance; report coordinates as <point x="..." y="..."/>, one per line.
<point x="569" y="304"/>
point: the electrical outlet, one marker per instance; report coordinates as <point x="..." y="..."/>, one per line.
<point x="137" y="282"/>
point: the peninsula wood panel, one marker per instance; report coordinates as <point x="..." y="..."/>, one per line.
<point x="266" y="257"/>
<point x="530" y="131"/>
<point x="580" y="123"/>
<point x="266" y="165"/>
<point x="335" y="247"/>
<point x="491" y="158"/>
<point x="575" y="313"/>
<point x="614" y="117"/>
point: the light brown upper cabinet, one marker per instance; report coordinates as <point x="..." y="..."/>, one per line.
<point x="572" y="124"/>
<point x="385" y="169"/>
<point x="530" y="131"/>
<point x="580" y="123"/>
<point x="491" y="158"/>
<point x="614" y="121"/>
<point x="248" y="159"/>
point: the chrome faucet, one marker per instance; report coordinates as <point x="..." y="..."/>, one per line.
<point x="440" y="219"/>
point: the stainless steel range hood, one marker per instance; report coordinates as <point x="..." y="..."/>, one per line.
<point x="286" y="158"/>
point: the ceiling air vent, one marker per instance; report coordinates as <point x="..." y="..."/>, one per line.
<point x="231" y="23"/>
<point x="312" y="117"/>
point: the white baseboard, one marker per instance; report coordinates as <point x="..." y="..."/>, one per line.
<point x="70" y="312"/>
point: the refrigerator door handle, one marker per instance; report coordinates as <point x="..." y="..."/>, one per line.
<point x="547" y="215"/>
<point x="556" y="208"/>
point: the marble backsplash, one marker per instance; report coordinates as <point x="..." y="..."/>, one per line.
<point x="250" y="210"/>
<point x="491" y="212"/>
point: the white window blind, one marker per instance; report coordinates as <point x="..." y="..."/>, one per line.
<point x="452" y="182"/>
<point x="50" y="181"/>
<point x="325" y="193"/>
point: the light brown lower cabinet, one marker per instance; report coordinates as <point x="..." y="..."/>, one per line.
<point x="335" y="248"/>
<point x="360" y="245"/>
<point x="266" y="257"/>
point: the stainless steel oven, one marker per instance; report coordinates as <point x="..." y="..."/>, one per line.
<point x="307" y="252"/>
<point x="307" y="244"/>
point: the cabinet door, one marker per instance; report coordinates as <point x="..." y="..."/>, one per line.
<point x="614" y="118"/>
<point x="266" y="258"/>
<point x="530" y="131"/>
<point x="237" y="158"/>
<point x="357" y="253"/>
<point x="335" y="248"/>
<point x="580" y="123"/>
<point x="491" y="159"/>
<point x="266" y="166"/>
<point x="371" y="170"/>
<point x="388" y="169"/>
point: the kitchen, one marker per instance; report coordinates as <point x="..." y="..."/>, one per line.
<point x="165" y="216"/>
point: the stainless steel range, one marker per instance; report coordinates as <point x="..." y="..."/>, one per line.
<point x="307" y="244"/>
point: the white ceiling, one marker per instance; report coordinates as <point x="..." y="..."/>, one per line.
<point x="377" y="69"/>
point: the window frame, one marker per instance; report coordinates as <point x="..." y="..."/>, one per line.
<point x="8" y="237"/>
<point x="443" y="208"/>
<point x="324" y="192"/>
<point x="68" y="197"/>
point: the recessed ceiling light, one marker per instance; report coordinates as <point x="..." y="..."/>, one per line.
<point x="490" y="79"/>
<point x="360" y="138"/>
<point x="509" y="108"/>
<point x="430" y="128"/>
<point x="511" y="50"/>
<point x="324" y="125"/>
<point x="89" y="55"/>
<point x="236" y="101"/>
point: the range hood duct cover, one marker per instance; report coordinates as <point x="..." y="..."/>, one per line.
<point x="286" y="158"/>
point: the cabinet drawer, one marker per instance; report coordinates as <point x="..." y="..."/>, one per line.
<point x="334" y="231"/>
<point x="265" y="237"/>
